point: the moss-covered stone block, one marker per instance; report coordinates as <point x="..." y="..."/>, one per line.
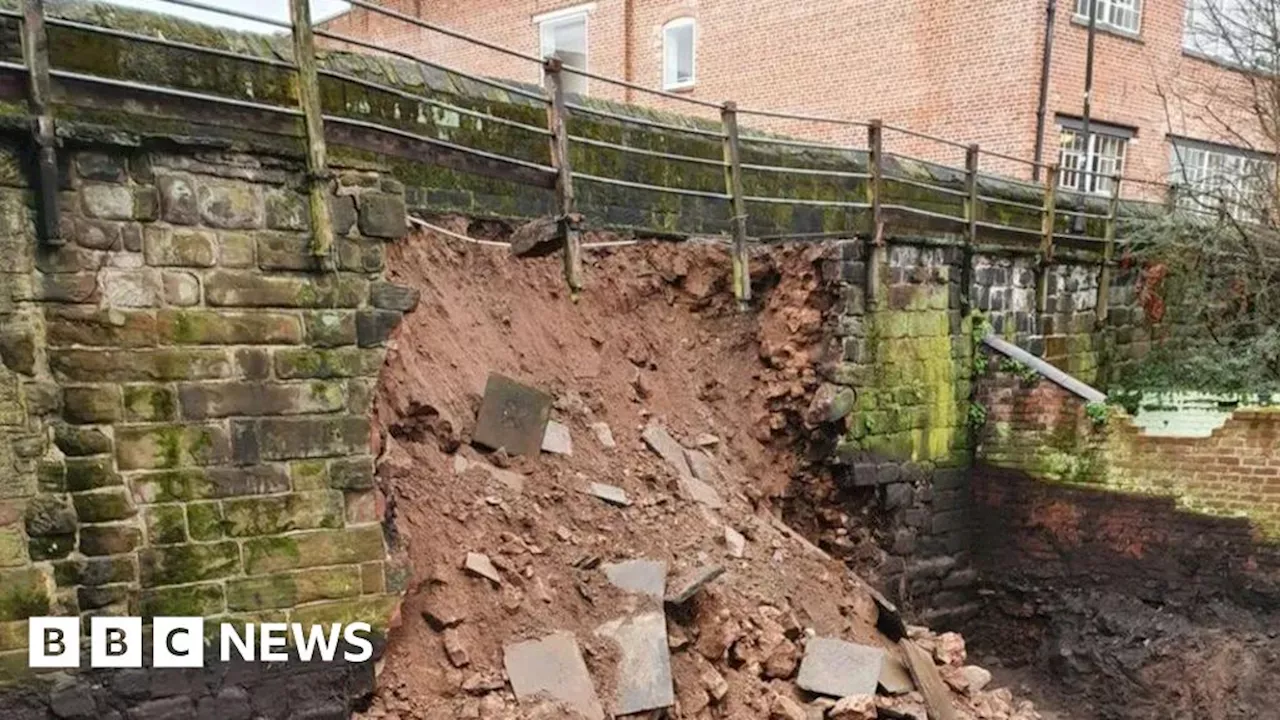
<point x="300" y="438"/>
<point x="166" y="524"/>
<point x="192" y="601"/>
<point x="327" y="364"/>
<point x="331" y="328"/>
<point x="104" y="505"/>
<point x="351" y="474"/>
<point x="375" y="610"/>
<point x="96" y="571"/>
<point x="84" y="474"/>
<point x="209" y="483"/>
<point x="287" y="590"/>
<point x="159" y="365"/>
<point x="171" y="446"/>
<point x="287" y="210"/>
<point x="205" y="521"/>
<point x="183" y="564"/>
<point x="215" y="400"/>
<point x="309" y="475"/>
<point x="23" y="594"/>
<point x="226" y="288"/>
<point x="202" y="327"/>
<point x="90" y="404"/>
<point x="149" y="403"/>
<point x="79" y="441"/>
<point x="314" y="549"/>
<point x="109" y="539"/>
<point x="272" y="515"/>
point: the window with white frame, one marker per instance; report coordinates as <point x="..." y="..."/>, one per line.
<point x="563" y="35"/>
<point x="679" y="47"/>
<point x="1122" y="15"/>
<point x="1234" y="31"/>
<point x="1090" y="166"/>
<point x="1211" y="177"/>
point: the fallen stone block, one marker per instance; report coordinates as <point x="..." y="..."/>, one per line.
<point x="604" y="435"/>
<point x="480" y="565"/>
<point x="554" y="666"/>
<point x="609" y="493"/>
<point x="537" y="238"/>
<point x="513" y="417"/>
<point x="644" y="577"/>
<point x="830" y="403"/>
<point x="700" y="492"/>
<point x="557" y="439"/>
<point x="644" y="663"/>
<point x="895" y="679"/>
<point x="661" y="442"/>
<point x="927" y="678"/>
<point x="694" y="581"/>
<point x="838" y="669"/>
<point x="735" y="543"/>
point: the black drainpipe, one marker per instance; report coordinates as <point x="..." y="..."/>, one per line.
<point x="1042" y="108"/>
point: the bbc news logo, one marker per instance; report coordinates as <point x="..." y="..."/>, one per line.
<point x="179" y="642"/>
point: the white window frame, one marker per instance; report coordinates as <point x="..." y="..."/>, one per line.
<point x="545" y="22"/>
<point x="1107" y="12"/>
<point x="1101" y="135"/>
<point x="1204" y="38"/>
<point x="669" y="81"/>
<point x="1208" y="173"/>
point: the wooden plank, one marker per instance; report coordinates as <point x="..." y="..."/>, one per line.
<point x="877" y="256"/>
<point x="971" y="158"/>
<point x="35" y="46"/>
<point x="304" y="50"/>
<point x="1045" y="369"/>
<point x="733" y="186"/>
<point x="937" y="697"/>
<point x="1048" y="224"/>
<point x="566" y="203"/>
<point x="1103" y="304"/>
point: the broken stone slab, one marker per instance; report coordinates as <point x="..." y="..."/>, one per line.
<point x="644" y="577"/>
<point x="513" y="480"/>
<point x="976" y="677"/>
<point x="609" y="493"/>
<point x="830" y="403"/>
<point x="895" y="679"/>
<point x="838" y="669"/>
<point x="554" y="666"/>
<point x="694" y="581"/>
<point x="537" y="238"/>
<point x="706" y="440"/>
<point x="702" y="466"/>
<point x="479" y="564"/>
<point x="661" y="442"/>
<point x="937" y="698"/>
<point x="700" y="492"/>
<point x="644" y="663"/>
<point x="557" y="440"/>
<point x="513" y="416"/>
<point x="604" y="435"/>
<point x="735" y="543"/>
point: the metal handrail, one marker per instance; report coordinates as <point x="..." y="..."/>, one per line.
<point x="642" y="151"/>
<point x="801" y="116"/>
<point x="927" y="186"/>
<point x="797" y="143"/>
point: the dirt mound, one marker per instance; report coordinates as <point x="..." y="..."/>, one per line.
<point x="655" y="341"/>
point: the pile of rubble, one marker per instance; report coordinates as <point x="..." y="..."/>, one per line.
<point x="606" y="544"/>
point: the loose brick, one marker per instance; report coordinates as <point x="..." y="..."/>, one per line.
<point x="182" y="564"/>
<point x="204" y="327"/>
<point x="374" y="327"/>
<point x="246" y="289"/>
<point x="382" y="215"/>
<point x="314" y="549"/>
<point x="293" y="589"/>
<point x="390" y="296"/>
<point x="171" y="446"/>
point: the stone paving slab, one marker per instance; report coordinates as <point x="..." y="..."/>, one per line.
<point x="554" y="666"/>
<point x="838" y="669"/>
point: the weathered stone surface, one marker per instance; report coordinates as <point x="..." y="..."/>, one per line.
<point x="351" y="474"/>
<point x="552" y="666"/>
<point x="323" y="364"/>
<point x="382" y="215"/>
<point x="734" y="542"/>
<point x="172" y="446"/>
<point x="80" y="441"/>
<point x="299" y="438"/>
<point x="837" y="668"/>
<point x="198" y="484"/>
<point x="609" y="493"/>
<point x="286" y="251"/>
<point x="390" y="296"/>
<point x="557" y="440"/>
<point x="180" y="247"/>
<point x="512" y="416"/>
<point x="895" y="679"/>
<point x="105" y="167"/>
<point x="125" y="288"/>
<point x="18" y="349"/>
<point x="661" y="442"/>
<point x="91" y="326"/>
<point x="187" y="601"/>
<point x="854" y="707"/>
<point x="99" y="235"/>
<point x="936" y="695"/>
<point x="182" y="564"/>
<point x="537" y="238"/>
<point x="646" y="577"/>
<point x="89" y="404"/>
<point x="206" y="327"/>
<point x="314" y="549"/>
<point x="106" y="505"/>
<point x="245" y="517"/>
<point x="213" y="400"/>
<point x="139" y="365"/>
<point x="287" y="210"/>
<point x="109" y="539"/>
<point x="290" y="590"/>
<point x="644" y="666"/>
<point x="180" y="288"/>
<point x="150" y="403"/>
<point x="693" y="581"/>
<point x="331" y="328"/>
<point x="108" y="202"/>
<point x="229" y="204"/>
<point x="246" y="289"/>
<point x="236" y="249"/>
<point x="47" y="515"/>
<point x="374" y="327"/>
<point x="178" y="199"/>
<point x="830" y="403"/>
<point x="604" y="435"/>
<point x="342" y="211"/>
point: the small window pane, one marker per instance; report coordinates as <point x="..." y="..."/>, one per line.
<point x="678" y="54"/>
<point x="1123" y="15"/>
<point x="1090" y="170"/>
<point x="1213" y="179"/>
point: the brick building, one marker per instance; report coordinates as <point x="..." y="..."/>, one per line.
<point x="967" y="70"/>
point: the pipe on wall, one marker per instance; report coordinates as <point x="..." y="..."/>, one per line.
<point x="1042" y="106"/>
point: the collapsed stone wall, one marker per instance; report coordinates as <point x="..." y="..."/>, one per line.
<point x="184" y="396"/>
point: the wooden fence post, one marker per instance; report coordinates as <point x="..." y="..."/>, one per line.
<point x="566" y="204"/>
<point x="35" y="45"/>
<point x="877" y="255"/>
<point x="1108" y="251"/>
<point x="1048" y="221"/>
<point x="304" y="52"/>
<point x="733" y="184"/>
<point x="971" y="156"/>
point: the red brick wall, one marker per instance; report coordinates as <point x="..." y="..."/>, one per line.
<point x="967" y="70"/>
